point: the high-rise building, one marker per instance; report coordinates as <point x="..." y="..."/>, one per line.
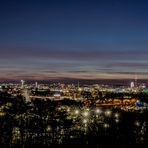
<point x="135" y="82"/>
<point x="132" y="85"/>
<point x="36" y="84"/>
<point x="22" y="84"/>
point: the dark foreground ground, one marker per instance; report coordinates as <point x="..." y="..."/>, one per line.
<point x="45" y="123"/>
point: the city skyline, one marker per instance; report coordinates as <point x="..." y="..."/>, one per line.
<point x="77" y="39"/>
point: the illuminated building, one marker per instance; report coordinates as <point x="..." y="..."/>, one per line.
<point x="132" y="85"/>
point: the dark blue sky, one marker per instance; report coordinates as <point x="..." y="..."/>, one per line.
<point x="89" y="39"/>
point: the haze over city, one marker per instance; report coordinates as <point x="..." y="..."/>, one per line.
<point x="76" y="39"/>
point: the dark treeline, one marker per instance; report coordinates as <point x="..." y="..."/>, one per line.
<point x="46" y="123"/>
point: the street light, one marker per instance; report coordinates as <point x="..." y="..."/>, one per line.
<point x="108" y="112"/>
<point x="116" y="115"/>
<point x="98" y="110"/>
<point x="48" y="128"/>
<point x="86" y="113"/>
<point x="68" y="110"/>
<point x="137" y="123"/>
<point x="117" y="120"/>
<point x="85" y="121"/>
<point x="106" y="125"/>
<point x="76" y="112"/>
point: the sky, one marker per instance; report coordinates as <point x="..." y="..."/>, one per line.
<point x="73" y="39"/>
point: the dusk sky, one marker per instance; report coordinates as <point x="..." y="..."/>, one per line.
<point x="82" y="39"/>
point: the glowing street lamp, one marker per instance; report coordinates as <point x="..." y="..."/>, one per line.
<point x="76" y="112"/>
<point x="106" y="125"/>
<point x="86" y="113"/>
<point x="84" y="121"/>
<point x="48" y="128"/>
<point x="68" y="110"/>
<point x="117" y="120"/>
<point x="116" y="115"/>
<point x="137" y="123"/>
<point x="98" y="111"/>
<point x="108" y="113"/>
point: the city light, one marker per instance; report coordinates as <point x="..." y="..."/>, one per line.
<point x="77" y="112"/>
<point x="108" y="113"/>
<point x="48" y="128"/>
<point x="86" y="114"/>
<point x="2" y="113"/>
<point x="73" y="73"/>
<point x="68" y="110"/>
<point x="137" y="123"/>
<point x="70" y="117"/>
<point x="117" y="120"/>
<point x="98" y="111"/>
<point x="85" y="121"/>
<point x="116" y="115"/>
<point x="106" y="125"/>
